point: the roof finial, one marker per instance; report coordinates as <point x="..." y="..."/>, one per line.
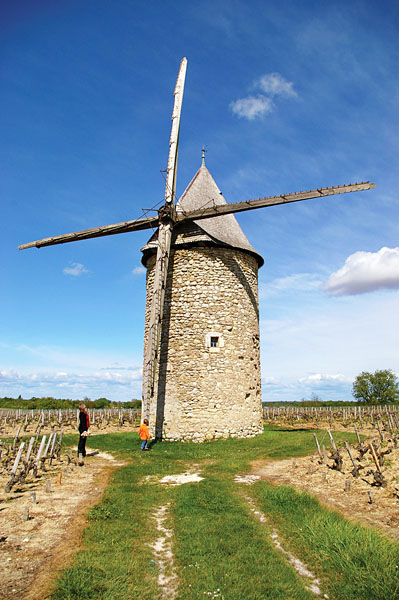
<point x="203" y="155"/>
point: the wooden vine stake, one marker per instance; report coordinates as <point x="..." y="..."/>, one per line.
<point x="358" y="436"/>
<point x="324" y="455"/>
<point x="355" y="471"/>
<point x="379" y="478"/>
<point x="380" y="430"/>
<point x="334" y="447"/>
<point x="318" y="446"/>
<point x="373" y="454"/>
<point x="17" y="459"/>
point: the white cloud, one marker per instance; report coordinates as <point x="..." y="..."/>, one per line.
<point x="75" y="269"/>
<point x="138" y="270"/>
<point x="366" y="272"/>
<point x="299" y="282"/>
<point x="270" y="381"/>
<point x="252" y="107"/>
<point x="272" y="85"/>
<point x="10" y="375"/>
<point x="324" y="378"/>
<point x="275" y="85"/>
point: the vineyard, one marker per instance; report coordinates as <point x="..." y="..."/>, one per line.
<point x="365" y="418"/>
<point x="22" y="422"/>
<point x="31" y="454"/>
<point x="360" y="479"/>
<point x="41" y="487"/>
<point x="42" y="432"/>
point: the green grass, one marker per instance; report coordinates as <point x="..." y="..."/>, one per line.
<point x="115" y="561"/>
<point x="219" y="546"/>
<point x="354" y="562"/>
<point x="220" y="549"/>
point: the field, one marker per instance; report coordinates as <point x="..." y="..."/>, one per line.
<point x="190" y="521"/>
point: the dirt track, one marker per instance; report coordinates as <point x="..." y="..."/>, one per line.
<point x="34" y="551"/>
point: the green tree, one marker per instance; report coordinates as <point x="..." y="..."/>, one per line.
<point x="101" y="403"/>
<point x="380" y="387"/>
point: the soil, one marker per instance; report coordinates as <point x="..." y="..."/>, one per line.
<point x="163" y="555"/>
<point x="328" y="485"/>
<point x="34" y="551"/>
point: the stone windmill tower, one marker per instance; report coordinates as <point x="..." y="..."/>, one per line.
<point x="201" y="376"/>
<point x="209" y="383"/>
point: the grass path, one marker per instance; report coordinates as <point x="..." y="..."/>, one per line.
<point x="205" y="539"/>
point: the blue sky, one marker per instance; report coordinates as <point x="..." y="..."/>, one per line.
<point x="286" y="97"/>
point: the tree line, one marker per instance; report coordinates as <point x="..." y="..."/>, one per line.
<point x="49" y="402"/>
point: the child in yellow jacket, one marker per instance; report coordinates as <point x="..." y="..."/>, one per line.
<point x="144" y="434"/>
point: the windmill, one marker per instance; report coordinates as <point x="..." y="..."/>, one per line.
<point x="162" y="401"/>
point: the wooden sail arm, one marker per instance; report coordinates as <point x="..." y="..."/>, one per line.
<point x="174" y="134"/>
<point x="85" y="234"/>
<point x="167" y="217"/>
<point x="224" y="209"/>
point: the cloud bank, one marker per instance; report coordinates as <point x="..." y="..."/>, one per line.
<point x="325" y="386"/>
<point x="323" y="378"/>
<point x="365" y="272"/>
<point x="114" y="383"/>
<point x="271" y="86"/>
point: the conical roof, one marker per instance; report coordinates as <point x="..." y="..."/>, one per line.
<point x="223" y="230"/>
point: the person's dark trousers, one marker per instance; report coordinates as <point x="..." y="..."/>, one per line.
<point x="82" y="446"/>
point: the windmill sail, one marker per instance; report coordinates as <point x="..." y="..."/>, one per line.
<point x="163" y="249"/>
<point x="86" y="234"/>
<point x="224" y="209"/>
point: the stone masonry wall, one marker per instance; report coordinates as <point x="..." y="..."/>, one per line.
<point x="207" y="392"/>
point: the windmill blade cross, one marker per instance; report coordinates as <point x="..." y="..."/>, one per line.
<point x="225" y="209"/>
<point x="165" y="220"/>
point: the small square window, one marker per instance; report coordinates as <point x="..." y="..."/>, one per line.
<point x="214" y="342"/>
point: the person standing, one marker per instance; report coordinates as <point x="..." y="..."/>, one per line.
<point x="84" y="424"/>
<point x="144" y="434"/>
